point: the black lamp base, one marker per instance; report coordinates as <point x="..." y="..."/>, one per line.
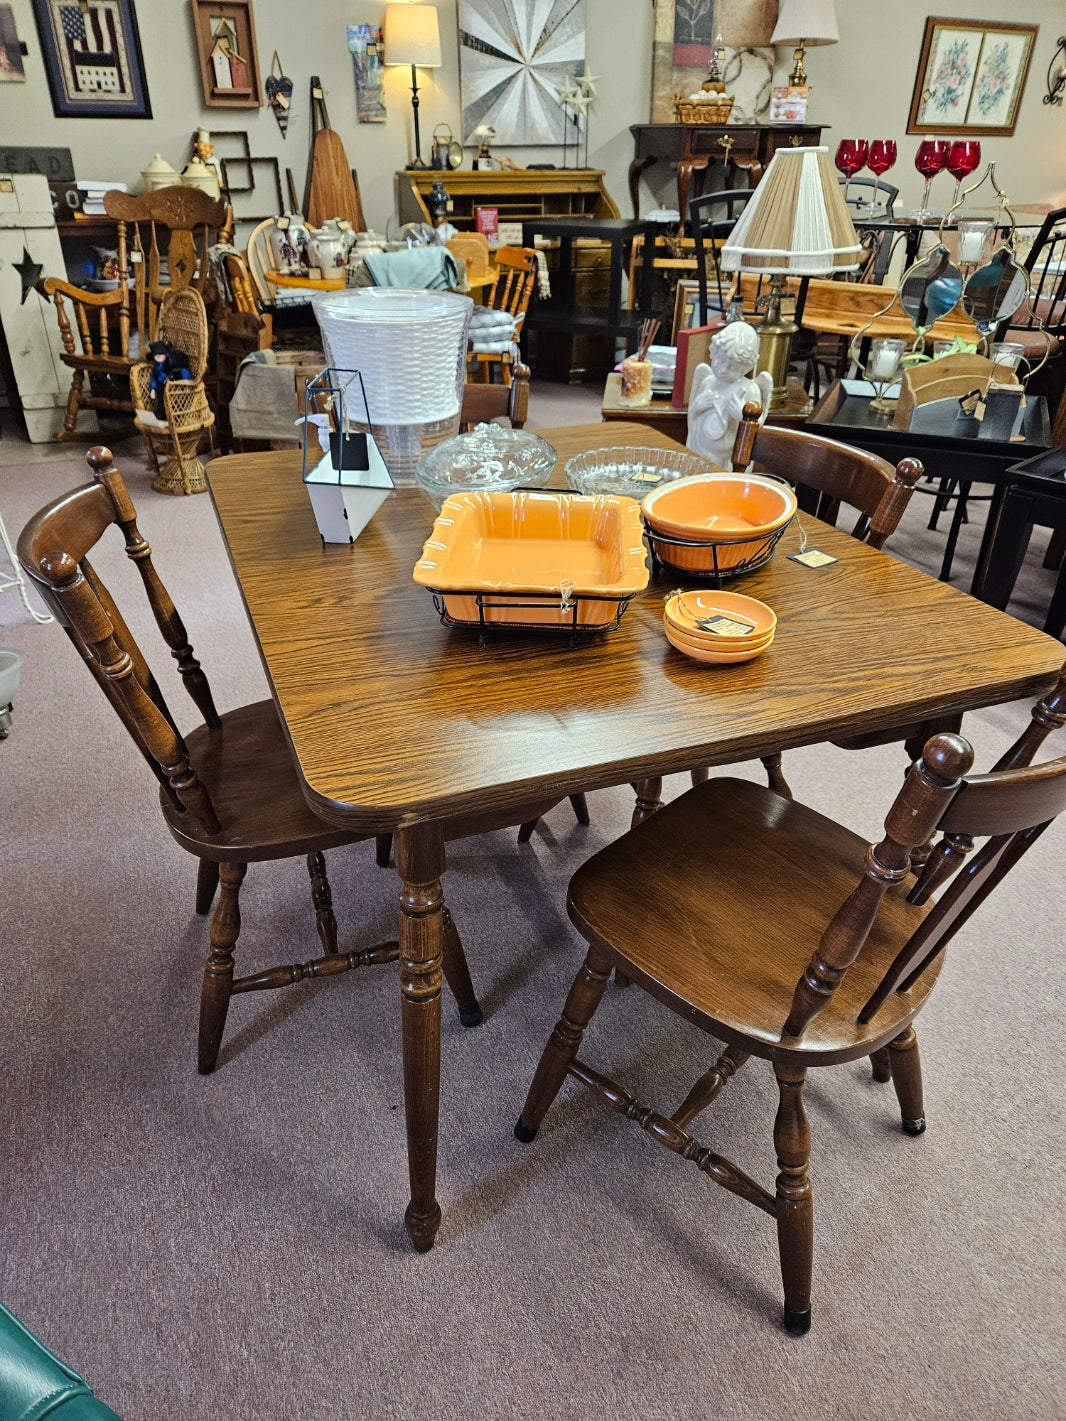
<point x="417" y="163"/>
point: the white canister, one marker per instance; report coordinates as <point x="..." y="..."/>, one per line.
<point x="327" y="246"/>
<point x="159" y="174"/>
<point x="288" y="244"/>
<point x="198" y="174"/>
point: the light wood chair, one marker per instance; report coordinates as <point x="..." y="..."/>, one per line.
<point x="188" y="417"/>
<point x="228" y="791"/>
<point x="166" y="233"/>
<point x="512" y="291"/>
<point x="782" y="934"/>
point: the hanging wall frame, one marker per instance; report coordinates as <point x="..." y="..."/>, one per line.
<point x="92" y="56"/>
<point x="229" y="61"/>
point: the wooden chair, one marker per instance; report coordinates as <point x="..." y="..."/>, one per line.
<point x="166" y="232"/>
<point x="512" y="291"/>
<point x="472" y="248"/>
<point x="782" y="934"/>
<point x="711" y="219"/>
<point x="188" y="417"/>
<point x="827" y="474"/>
<point x="482" y="403"/>
<point x="229" y="792"/>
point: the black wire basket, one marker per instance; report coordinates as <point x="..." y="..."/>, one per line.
<point x="721" y="568"/>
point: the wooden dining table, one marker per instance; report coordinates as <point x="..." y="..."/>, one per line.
<point x="397" y="722"/>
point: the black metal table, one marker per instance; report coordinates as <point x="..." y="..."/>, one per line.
<point x="844" y="414"/>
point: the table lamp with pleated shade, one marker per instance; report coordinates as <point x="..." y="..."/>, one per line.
<point x="804" y="22"/>
<point x="412" y="36"/>
<point x="795" y="224"/>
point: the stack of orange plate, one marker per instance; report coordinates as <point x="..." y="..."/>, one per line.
<point x="720" y="628"/>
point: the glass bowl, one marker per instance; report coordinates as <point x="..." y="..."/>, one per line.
<point x="490" y="458"/>
<point x="629" y="471"/>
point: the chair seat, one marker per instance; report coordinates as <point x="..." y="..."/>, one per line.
<point x="101" y="364"/>
<point x="677" y="899"/>
<point x="247" y="768"/>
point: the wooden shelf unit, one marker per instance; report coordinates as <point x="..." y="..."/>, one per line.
<point x="520" y="196"/>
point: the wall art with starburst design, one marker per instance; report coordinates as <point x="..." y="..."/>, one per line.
<point x="514" y="57"/>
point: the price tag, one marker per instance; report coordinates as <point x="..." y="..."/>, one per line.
<point x="812" y="557"/>
<point x="722" y="625"/>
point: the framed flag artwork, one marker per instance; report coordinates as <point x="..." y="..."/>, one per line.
<point x="92" y="56"/>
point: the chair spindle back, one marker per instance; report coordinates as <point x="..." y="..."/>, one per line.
<point x="53" y="550"/>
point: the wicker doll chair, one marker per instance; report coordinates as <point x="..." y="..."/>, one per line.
<point x="187" y="414"/>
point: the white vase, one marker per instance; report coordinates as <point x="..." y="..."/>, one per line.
<point x="288" y="244"/>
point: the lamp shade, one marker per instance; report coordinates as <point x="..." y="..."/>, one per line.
<point x="412" y="35"/>
<point x="796" y="222"/>
<point x="807" y="22"/>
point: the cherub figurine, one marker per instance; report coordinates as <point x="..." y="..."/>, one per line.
<point x="722" y="389"/>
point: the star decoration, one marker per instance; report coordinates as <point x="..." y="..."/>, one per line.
<point x="588" y="82"/>
<point x="569" y="93"/>
<point x="29" y="274"/>
<point x="580" y="105"/>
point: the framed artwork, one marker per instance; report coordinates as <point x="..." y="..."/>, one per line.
<point x="971" y="76"/>
<point x="229" y="60"/>
<point x="364" y="45"/>
<point x="514" y="57"/>
<point x="686" y="307"/>
<point x="683" y="34"/>
<point x="92" y="56"/>
<point x="12" y="70"/>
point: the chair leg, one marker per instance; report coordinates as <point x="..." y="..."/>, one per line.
<point x="795" y="1207"/>
<point x="700" y="776"/>
<point x="880" y="1065"/>
<point x="774" y="776"/>
<point x="206" y="885"/>
<point x="585" y="996"/>
<point x="649" y="799"/>
<point x="580" y="806"/>
<point x="525" y="831"/>
<point x="906" y="1067"/>
<point x="218" y="974"/>
<point x="70" y="415"/>
<point x="322" y="898"/>
<point x="383" y="849"/>
<point x="457" y="974"/>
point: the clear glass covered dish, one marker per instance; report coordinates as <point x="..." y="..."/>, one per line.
<point x="490" y="458"/>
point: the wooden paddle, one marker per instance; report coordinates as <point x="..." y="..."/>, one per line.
<point x="331" y="191"/>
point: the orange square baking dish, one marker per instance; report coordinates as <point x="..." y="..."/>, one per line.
<point x="534" y="558"/>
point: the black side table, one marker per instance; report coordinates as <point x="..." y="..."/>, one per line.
<point x="1036" y="497"/>
<point x="560" y="312"/>
<point x="844" y="413"/>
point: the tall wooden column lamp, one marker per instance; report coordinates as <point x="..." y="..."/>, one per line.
<point x="795" y="224"/>
<point x="804" y="22"/>
<point x="412" y="36"/>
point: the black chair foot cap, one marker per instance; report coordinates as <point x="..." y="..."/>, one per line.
<point x="914" y="1127"/>
<point x="524" y="1133"/>
<point x="471" y="1016"/>
<point x="797" y="1323"/>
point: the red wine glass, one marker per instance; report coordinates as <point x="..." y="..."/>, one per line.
<point x="881" y="157"/>
<point x="850" y="157"/>
<point x="964" y="157"/>
<point x="930" y="159"/>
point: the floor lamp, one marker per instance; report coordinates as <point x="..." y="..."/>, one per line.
<point x="412" y="36"/>
<point x="795" y="224"/>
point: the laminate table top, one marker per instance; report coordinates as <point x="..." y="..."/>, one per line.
<point x="397" y="722"/>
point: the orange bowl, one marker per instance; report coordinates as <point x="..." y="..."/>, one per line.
<point x="685" y="610"/>
<point x="713" y="657"/>
<point x="713" y="510"/>
<point x="709" y="642"/>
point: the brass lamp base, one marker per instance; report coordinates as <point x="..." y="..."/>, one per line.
<point x="798" y="77"/>
<point x="775" y="351"/>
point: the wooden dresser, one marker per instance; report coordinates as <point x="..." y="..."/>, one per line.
<point x="743" y="149"/>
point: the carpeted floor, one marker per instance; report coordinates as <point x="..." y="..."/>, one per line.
<point x="233" y="1246"/>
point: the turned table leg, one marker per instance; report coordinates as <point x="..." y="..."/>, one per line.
<point x="420" y="860"/>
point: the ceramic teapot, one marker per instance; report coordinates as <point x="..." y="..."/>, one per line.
<point x="288" y="244"/>
<point x="327" y="247"/>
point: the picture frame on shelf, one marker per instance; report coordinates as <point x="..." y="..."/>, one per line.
<point x="686" y="307"/>
<point x="92" y="58"/>
<point x="229" y="58"/>
<point x="971" y="77"/>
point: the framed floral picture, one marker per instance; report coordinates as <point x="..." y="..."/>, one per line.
<point x="970" y="77"/>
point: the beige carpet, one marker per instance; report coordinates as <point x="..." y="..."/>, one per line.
<point x="234" y="1247"/>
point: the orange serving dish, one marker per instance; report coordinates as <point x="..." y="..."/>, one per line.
<point x="686" y="610"/>
<point x="723" y="521"/>
<point x="688" y="646"/>
<point x="534" y="558"/>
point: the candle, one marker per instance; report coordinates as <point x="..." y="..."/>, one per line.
<point x="972" y="239"/>
<point x="884" y="359"/>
